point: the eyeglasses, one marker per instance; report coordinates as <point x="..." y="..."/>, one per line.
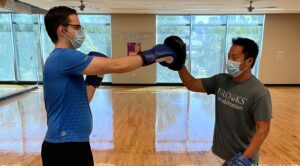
<point x="74" y="26"/>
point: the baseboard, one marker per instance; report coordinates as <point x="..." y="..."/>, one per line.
<point x="157" y="84"/>
<point x="104" y="83"/>
<point x="21" y="82"/>
<point x="282" y="84"/>
<point x="15" y="94"/>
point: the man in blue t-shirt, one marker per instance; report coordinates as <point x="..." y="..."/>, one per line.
<point x="242" y="105"/>
<point x="67" y="94"/>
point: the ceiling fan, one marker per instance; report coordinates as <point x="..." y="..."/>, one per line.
<point x="81" y="6"/>
<point x="69" y="3"/>
<point x="250" y="8"/>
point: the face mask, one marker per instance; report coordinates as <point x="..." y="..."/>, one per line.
<point x="78" y="39"/>
<point x="233" y="68"/>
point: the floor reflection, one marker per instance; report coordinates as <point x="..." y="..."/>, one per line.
<point x="184" y="121"/>
<point x="148" y="121"/>
<point x="22" y="124"/>
<point x="102" y="134"/>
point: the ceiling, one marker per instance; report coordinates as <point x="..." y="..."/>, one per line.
<point x="174" y="6"/>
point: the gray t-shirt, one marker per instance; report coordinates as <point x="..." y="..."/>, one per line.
<point x="238" y="107"/>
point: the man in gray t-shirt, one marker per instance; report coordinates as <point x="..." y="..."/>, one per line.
<point x="243" y="105"/>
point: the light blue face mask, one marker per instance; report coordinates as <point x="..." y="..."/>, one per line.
<point x="233" y="68"/>
<point x="78" y="39"/>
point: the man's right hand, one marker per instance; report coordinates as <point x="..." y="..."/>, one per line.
<point x="158" y="53"/>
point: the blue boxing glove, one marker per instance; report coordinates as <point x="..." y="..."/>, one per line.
<point x="239" y="160"/>
<point x="94" y="80"/>
<point x="158" y="53"/>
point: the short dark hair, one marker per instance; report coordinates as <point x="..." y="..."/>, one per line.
<point x="55" y="17"/>
<point x="250" y="48"/>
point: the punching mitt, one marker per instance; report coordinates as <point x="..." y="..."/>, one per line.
<point x="179" y="47"/>
<point x="239" y="160"/>
<point x="94" y="80"/>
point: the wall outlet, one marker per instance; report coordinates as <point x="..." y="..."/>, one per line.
<point x="279" y="55"/>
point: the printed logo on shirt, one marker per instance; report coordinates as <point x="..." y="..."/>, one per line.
<point x="63" y="133"/>
<point x="231" y="99"/>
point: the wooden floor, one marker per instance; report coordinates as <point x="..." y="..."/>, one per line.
<point x="147" y="126"/>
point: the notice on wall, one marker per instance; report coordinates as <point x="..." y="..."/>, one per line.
<point x="133" y="48"/>
<point x="132" y="36"/>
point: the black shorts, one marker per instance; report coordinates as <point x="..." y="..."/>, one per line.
<point x="67" y="154"/>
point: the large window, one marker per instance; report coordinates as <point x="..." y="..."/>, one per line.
<point x="166" y="26"/>
<point x="26" y="45"/>
<point x="246" y="26"/>
<point x="97" y="36"/>
<point x="46" y="44"/>
<point x="207" y="45"/>
<point x="7" y="72"/>
<point x="208" y="40"/>
<point x="25" y="28"/>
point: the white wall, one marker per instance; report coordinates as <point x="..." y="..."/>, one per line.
<point x="281" y="34"/>
<point x="133" y="28"/>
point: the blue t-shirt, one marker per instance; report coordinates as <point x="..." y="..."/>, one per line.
<point x="69" y="116"/>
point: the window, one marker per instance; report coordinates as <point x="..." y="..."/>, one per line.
<point x="207" y="45"/>
<point x="27" y="48"/>
<point x="46" y="44"/>
<point x="26" y="45"/>
<point x="208" y="39"/>
<point x="97" y="32"/>
<point x="248" y="26"/>
<point x="167" y="26"/>
<point x="7" y="72"/>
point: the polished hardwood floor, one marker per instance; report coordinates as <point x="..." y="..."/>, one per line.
<point x="147" y="126"/>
